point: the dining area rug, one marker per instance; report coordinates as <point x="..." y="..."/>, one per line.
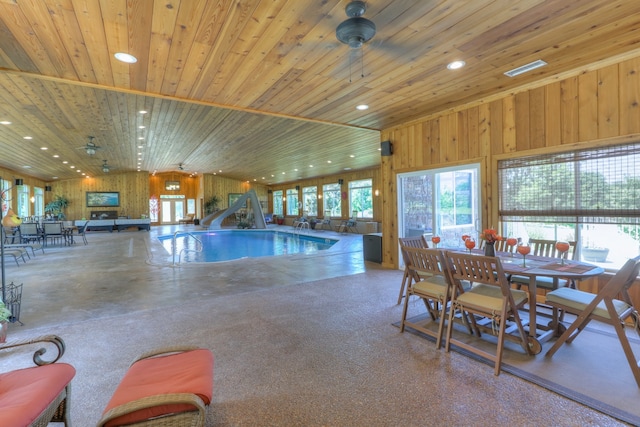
<point x="592" y="370"/>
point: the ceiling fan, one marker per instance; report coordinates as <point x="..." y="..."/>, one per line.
<point x="105" y="167"/>
<point x="356" y="30"/>
<point x="181" y="167"/>
<point x="90" y="147"/>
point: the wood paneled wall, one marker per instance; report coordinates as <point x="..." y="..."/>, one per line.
<point x="133" y="188"/>
<point x="373" y="174"/>
<point x="596" y="108"/>
<point x="214" y="185"/>
<point x="600" y="107"/>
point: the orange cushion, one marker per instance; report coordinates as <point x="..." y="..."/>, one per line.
<point x="26" y="393"/>
<point x="188" y="372"/>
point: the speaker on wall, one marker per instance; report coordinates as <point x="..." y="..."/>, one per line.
<point x="269" y="191"/>
<point x="386" y="148"/>
<point x="19" y="181"/>
<point x="47" y="188"/>
<point x="297" y="188"/>
<point x="341" y="181"/>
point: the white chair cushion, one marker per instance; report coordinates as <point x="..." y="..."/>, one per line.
<point x="434" y="286"/>
<point x="579" y="300"/>
<point x="489" y="297"/>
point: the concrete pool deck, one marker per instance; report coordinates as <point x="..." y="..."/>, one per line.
<point x="127" y="271"/>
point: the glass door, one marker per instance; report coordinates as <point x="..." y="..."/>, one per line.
<point x="443" y="202"/>
<point x="172" y="211"/>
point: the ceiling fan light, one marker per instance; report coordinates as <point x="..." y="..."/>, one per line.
<point x="91" y="151"/>
<point x="105" y="169"/>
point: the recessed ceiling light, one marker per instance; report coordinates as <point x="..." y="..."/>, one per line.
<point x="141" y="127"/>
<point x="65" y="162"/>
<point x="56" y="156"/>
<point x="347" y="169"/>
<point x="310" y="166"/>
<point x="27" y="137"/>
<point x="27" y="167"/>
<point x="362" y="107"/>
<point x="142" y="112"/>
<point x="141" y="137"/>
<point x="72" y="167"/>
<point x="44" y="148"/>
<point x="455" y="65"/>
<point x="4" y="122"/>
<point x="125" y="57"/>
<point x="351" y="155"/>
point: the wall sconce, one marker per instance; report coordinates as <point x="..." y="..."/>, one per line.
<point x="377" y="192"/>
<point x="284" y="199"/>
<point x="33" y="199"/>
<point x="319" y="196"/>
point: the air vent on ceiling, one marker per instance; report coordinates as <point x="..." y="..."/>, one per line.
<point x="526" y="68"/>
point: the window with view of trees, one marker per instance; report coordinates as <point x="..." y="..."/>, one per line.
<point x="277" y="202"/>
<point x="332" y="197"/>
<point x="292" y="202"/>
<point x="310" y="200"/>
<point x="591" y="196"/>
<point x="23" y="201"/>
<point x="361" y="198"/>
<point x="38" y="204"/>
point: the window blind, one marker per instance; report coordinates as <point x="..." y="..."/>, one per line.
<point x="591" y="186"/>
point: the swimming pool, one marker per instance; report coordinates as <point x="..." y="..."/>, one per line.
<point x="226" y="245"/>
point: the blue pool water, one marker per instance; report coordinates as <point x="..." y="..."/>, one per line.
<point x="225" y="245"/>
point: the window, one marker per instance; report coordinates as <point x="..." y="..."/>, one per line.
<point x="332" y="199"/>
<point x="191" y="206"/>
<point x="277" y="202"/>
<point x="292" y="202"/>
<point x="38" y="204"/>
<point x="441" y="202"/>
<point x="23" y="201"/>
<point x="591" y="196"/>
<point x="310" y="200"/>
<point x="6" y="195"/>
<point x="361" y="198"/>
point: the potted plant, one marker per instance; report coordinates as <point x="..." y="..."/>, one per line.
<point x="211" y="205"/>
<point x="56" y="207"/>
<point x="5" y="316"/>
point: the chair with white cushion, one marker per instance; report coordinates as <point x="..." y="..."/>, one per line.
<point x="612" y="305"/>
<point x="490" y="297"/>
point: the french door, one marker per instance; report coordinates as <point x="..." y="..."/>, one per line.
<point x="171" y="210"/>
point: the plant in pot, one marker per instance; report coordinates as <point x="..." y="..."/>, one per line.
<point x="57" y="206"/>
<point x="211" y="205"/>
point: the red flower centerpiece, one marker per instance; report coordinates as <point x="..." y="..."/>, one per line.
<point x="490" y="236"/>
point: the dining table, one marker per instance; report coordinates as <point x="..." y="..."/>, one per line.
<point x="533" y="266"/>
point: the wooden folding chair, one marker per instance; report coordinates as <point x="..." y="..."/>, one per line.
<point x="611" y="305"/>
<point x="428" y="280"/>
<point x="546" y="248"/>
<point x="413" y="242"/>
<point x="490" y="297"/>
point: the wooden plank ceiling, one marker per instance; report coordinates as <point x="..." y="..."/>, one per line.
<point x="261" y="89"/>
